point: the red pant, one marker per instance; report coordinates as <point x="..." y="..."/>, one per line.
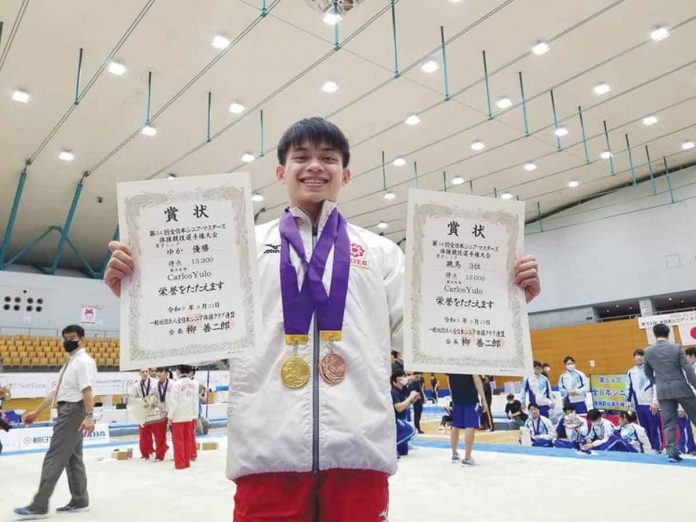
<point x="145" y="441"/>
<point x="336" y="495"/>
<point x="159" y="430"/>
<point x="181" y="439"/>
<point x="193" y="454"/>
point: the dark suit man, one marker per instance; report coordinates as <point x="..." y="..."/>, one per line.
<point x="667" y="368"/>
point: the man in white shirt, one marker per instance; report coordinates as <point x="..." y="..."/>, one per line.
<point x="641" y="394"/>
<point x="537" y="389"/>
<point x="183" y="409"/>
<point x="321" y="458"/>
<point x="143" y="399"/>
<point x="537" y="430"/>
<point x="574" y="386"/>
<point x="75" y="402"/>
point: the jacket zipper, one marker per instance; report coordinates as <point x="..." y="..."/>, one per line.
<point x="315" y="381"/>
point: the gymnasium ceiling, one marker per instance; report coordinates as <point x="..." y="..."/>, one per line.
<point x="279" y="62"/>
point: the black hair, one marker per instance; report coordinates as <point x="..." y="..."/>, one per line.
<point x="544" y="365"/>
<point x="568" y="358"/>
<point x="316" y="131"/>
<point x="533" y="405"/>
<point x="630" y="416"/>
<point x="184" y="368"/>
<point x="161" y="369"/>
<point x="510" y="396"/>
<point x="639" y="352"/>
<point x="661" y="331"/>
<point x="537" y="364"/>
<point x="73" y="328"/>
<point x="691" y="350"/>
<point x="568" y="407"/>
<point x="395" y="376"/>
<point x="394" y="353"/>
<point x="594" y="415"/>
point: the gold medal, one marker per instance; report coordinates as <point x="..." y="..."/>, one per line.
<point x="332" y="368"/>
<point x="295" y="372"/>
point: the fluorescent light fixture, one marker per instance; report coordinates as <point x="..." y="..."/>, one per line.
<point x="529" y="167"/>
<point x="116" y="68"/>
<point x="148" y="130"/>
<point x="688" y="145"/>
<point x="413" y="119"/>
<point x="236" y="108"/>
<point x="332" y="18"/>
<point x="399" y="162"/>
<point x="389" y="195"/>
<point x="220" y="42"/>
<point x="458" y="180"/>
<point x="329" y="87"/>
<point x="573" y="184"/>
<point x="659" y="34"/>
<point x="504" y="103"/>
<point x="506" y="195"/>
<point x="649" y="120"/>
<point x="247" y="157"/>
<point x="605" y="155"/>
<point x="541" y="48"/>
<point x="430" y="66"/>
<point x="171" y="175"/>
<point x="382" y="225"/>
<point x="561" y="131"/>
<point x="602" y="88"/>
<point x="20" y="96"/>
<point x="257" y="198"/>
<point x="478" y="146"/>
<point x="66" y="155"/>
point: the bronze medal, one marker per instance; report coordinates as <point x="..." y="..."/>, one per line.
<point x="295" y="372"/>
<point x="332" y="368"/>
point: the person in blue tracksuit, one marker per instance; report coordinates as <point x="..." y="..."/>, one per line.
<point x="686" y="434"/>
<point x="571" y="429"/>
<point x="539" y="428"/>
<point x="574" y="386"/>
<point x="641" y="394"/>
<point x="601" y="435"/>
<point x="537" y="389"/>
<point x="632" y="433"/>
<point x="402" y="400"/>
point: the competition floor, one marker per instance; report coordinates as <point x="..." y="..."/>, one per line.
<point x="508" y="483"/>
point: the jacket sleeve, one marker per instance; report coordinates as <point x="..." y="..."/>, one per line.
<point x="585" y="388"/>
<point x="688" y="369"/>
<point x="562" y="388"/>
<point x="173" y="402"/>
<point x="551" y="431"/>
<point x="629" y="387"/>
<point x="643" y="438"/>
<point x="523" y="391"/>
<point x="394" y="281"/>
<point x="649" y="372"/>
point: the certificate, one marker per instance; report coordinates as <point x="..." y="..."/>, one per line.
<point x="192" y="297"/>
<point x="463" y="313"/>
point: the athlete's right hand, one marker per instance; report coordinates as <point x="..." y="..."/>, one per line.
<point x="119" y="267"/>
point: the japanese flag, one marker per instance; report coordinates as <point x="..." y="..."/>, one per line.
<point x="651" y="335"/>
<point x="687" y="332"/>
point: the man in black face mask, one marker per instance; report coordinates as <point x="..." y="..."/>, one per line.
<point x="74" y="400"/>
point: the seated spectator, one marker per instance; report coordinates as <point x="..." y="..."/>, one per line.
<point x="571" y="429"/>
<point x="402" y="400"/>
<point x="602" y="436"/>
<point x="513" y="410"/>
<point x="633" y="433"/>
<point x="537" y="430"/>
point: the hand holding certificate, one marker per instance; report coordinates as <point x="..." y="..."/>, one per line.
<point x="464" y="311"/>
<point x="192" y="294"/>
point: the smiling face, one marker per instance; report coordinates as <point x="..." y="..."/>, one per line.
<point x="313" y="173"/>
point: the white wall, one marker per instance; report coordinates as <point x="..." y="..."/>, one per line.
<point x="594" y="255"/>
<point x="63" y="298"/>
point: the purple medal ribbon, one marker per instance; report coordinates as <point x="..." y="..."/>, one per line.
<point x="300" y="304"/>
<point x="162" y="394"/>
<point x="145" y="391"/>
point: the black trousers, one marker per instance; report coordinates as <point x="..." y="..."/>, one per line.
<point x="417" y="412"/>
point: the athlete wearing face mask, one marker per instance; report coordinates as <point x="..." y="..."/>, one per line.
<point x="574" y="386"/>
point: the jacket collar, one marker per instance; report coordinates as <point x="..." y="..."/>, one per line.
<point x="303" y="219"/>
